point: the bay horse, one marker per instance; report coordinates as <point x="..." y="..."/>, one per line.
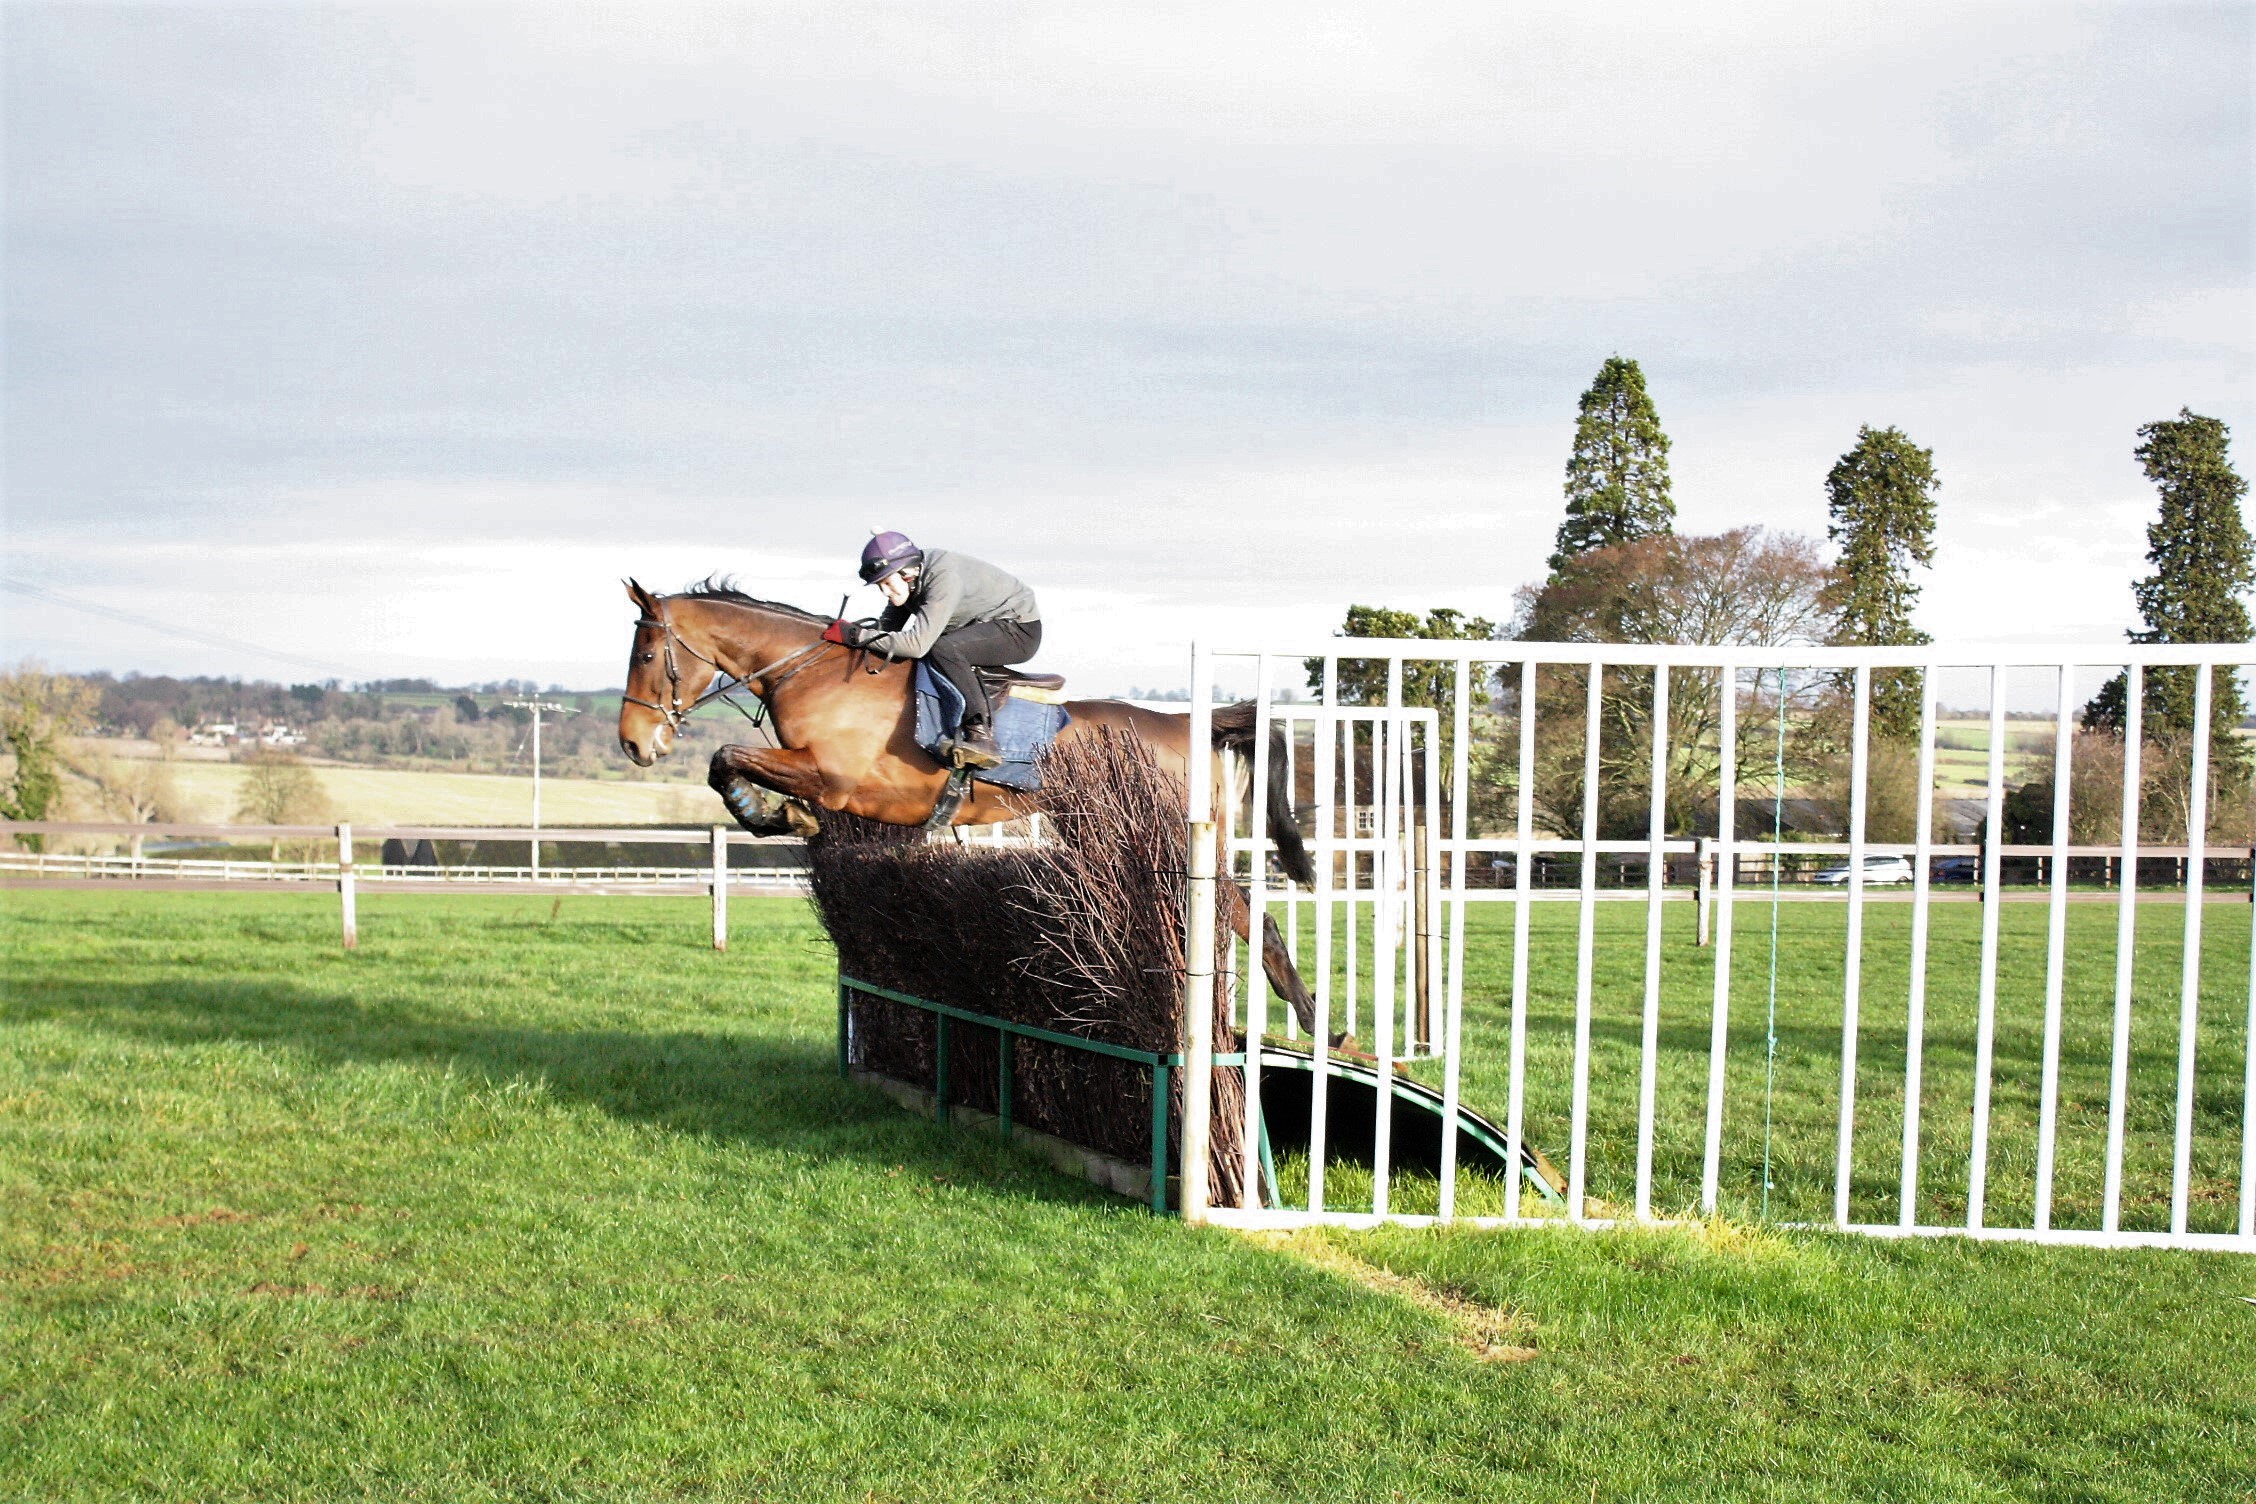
<point x="844" y="720"/>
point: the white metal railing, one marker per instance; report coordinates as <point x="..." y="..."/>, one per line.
<point x="1378" y="879"/>
<point x="123" y="866"/>
<point x="23" y="868"/>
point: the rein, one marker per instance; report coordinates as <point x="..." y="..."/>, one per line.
<point x="676" y="712"/>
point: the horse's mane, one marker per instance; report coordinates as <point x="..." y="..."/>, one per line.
<point x="722" y="587"/>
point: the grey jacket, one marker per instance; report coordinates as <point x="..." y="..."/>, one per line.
<point x="954" y="591"/>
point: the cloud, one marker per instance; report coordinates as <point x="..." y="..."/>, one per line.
<point x="1200" y="319"/>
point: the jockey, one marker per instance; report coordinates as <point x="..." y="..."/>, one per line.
<point x="957" y="613"/>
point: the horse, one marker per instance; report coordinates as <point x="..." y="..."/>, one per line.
<point x="844" y="720"/>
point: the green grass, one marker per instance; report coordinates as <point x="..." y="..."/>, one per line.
<point x="530" y="1203"/>
<point x="1802" y="1093"/>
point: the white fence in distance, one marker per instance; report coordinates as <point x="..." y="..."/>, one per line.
<point x="1408" y="886"/>
<point x="349" y="872"/>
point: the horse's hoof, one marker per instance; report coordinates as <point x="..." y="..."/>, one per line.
<point x="800" y="820"/>
<point x="756" y="809"/>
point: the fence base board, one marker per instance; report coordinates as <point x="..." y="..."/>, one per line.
<point x="1103" y="1170"/>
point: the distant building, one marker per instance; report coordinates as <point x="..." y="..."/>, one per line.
<point x="275" y="734"/>
<point x="214" y="734"/>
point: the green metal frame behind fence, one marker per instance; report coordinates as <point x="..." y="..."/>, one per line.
<point x="1162" y="1066"/>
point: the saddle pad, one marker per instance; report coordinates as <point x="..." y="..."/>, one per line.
<point x="1023" y="731"/>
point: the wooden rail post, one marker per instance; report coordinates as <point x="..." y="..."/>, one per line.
<point x="720" y="887"/>
<point x="345" y="886"/>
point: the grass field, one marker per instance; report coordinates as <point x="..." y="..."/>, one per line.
<point x="534" y="1201"/>
<point x="1801" y="1100"/>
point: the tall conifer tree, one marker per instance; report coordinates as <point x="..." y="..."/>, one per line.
<point x="2204" y="561"/>
<point x="1617" y="474"/>
<point x="1880" y="499"/>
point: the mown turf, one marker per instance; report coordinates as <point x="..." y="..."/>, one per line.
<point x="1794" y="1091"/>
<point x="528" y="1204"/>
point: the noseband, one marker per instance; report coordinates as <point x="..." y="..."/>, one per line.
<point x="724" y="683"/>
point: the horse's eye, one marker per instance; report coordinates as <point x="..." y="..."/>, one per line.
<point x="645" y="657"/>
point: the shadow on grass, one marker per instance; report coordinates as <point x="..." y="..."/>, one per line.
<point x="726" y="1086"/>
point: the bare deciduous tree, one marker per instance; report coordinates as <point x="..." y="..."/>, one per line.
<point x="1743" y="586"/>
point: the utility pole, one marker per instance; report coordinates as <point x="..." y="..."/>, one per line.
<point x="536" y="707"/>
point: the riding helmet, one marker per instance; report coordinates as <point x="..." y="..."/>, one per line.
<point x="889" y="553"/>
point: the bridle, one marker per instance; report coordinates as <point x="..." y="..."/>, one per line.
<point x="724" y="682"/>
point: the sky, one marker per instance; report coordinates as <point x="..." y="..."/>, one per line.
<point x="375" y="342"/>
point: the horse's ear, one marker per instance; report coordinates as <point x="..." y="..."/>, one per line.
<point x="639" y="596"/>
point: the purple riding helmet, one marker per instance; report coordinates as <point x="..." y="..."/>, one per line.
<point x="888" y="554"/>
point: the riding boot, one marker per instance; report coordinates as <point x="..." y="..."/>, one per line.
<point x="974" y="745"/>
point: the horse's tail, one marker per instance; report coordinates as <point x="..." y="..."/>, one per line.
<point x="1233" y="730"/>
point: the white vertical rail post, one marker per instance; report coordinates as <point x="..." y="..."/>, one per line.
<point x="1352" y="832"/>
<point x="1578" y="1134"/>
<point x="2247" y="1224"/>
<point x="1404" y="840"/>
<point x="1291" y="725"/>
<point x="720" y="887"/>
<point x="1703" y="889"/>
<point x="1435" y="998"/>
<point x="1649" y="1043"/>
<point x="1985" y="1023"/>
<point x="1386" y="934"/>
<point x="1915" y="1019"/>
<point x="2189" y="980"/>
<point x="1453" y="993"/>
<point x="1226" y="818"/>
<point x="345" y="896"/>
<point x="1852" y="969"/>
<point x="2126" y="945"/>
<point x="1198" y="945"/>
<point x="1255" y="976"/>
<point x="2056" y="945"/>
<point x="1198" y="1018"/>
<point x="1522" y="869"/>
<point x="1324" y="747"/>
<point x="1727" y="876"/>
<point x="536" y="788"/>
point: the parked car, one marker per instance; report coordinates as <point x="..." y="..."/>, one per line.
<point x="1958" y="869"/>
<point x="1877" y="869"/>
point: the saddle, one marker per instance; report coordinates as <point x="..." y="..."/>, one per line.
<point x="1034" y="689"/>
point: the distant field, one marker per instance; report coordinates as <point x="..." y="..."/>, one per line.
<point x="209" y="792"/>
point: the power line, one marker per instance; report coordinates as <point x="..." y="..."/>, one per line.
<point x="173" y="629"/>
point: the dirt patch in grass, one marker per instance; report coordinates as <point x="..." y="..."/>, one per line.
<point x="1494" y="1334"/>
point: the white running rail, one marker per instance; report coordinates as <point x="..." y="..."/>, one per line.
<point x="1387" y="926"/>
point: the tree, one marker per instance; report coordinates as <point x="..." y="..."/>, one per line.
<point x="1880" y="498"/>
<point x="37" y="711"/>
<point x="280" y="790"/>
<point x="1363" y="681"/>
<point x="2204" y="562"/>
<point x="1744" y="586"/>
<point x="137" y="790"/>
<point x="1617" y="473"/>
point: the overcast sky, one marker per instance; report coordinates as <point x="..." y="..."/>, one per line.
<point x="393" y="337"/>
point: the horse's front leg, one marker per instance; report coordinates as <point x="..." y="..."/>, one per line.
<point x="770" y="790"/>
<point x="1276" y="960"/>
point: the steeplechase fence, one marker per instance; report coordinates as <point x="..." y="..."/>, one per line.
<point x="2063" y="1058"/>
